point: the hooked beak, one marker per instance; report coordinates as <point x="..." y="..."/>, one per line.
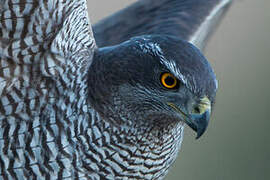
<point x="198" y="120"/>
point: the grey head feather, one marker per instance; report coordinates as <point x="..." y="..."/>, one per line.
<point x="138" y="63"/>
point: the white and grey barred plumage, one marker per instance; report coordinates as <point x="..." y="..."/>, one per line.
<point x="59" y="121"/>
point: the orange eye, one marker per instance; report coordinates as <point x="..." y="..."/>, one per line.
<point x="169" y="81"/>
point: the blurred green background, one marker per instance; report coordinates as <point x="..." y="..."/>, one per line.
<point x="236" y="145"/>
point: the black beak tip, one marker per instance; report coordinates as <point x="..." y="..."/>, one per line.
<point x="199" y="123"/>
<point x="200" y="132"/>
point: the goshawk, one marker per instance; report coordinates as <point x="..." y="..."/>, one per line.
<point x="71" y="110"/>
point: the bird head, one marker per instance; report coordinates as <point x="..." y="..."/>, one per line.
<point x="157" y="80"/>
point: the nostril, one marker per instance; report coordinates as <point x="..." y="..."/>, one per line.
<point x="196" y="110"/>
<point x="199" y="108"/>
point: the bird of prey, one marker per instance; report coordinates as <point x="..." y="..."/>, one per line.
<point x="111" y="107"/>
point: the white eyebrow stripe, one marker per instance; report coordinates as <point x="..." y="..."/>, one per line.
<point x="188" y="80"/>
<point x="176" y="71"/>
<point x="169" y="64"/>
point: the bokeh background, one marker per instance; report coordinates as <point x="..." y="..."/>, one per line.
<point x="236" y="145"/>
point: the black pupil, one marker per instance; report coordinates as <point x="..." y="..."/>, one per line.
<point x="169" y="80"/>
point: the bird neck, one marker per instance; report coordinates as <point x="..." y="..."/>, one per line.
<point x="129" y="150"/>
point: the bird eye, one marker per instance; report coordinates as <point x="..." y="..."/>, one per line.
<point x="169" y="81"/>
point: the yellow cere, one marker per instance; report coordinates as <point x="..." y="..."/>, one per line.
<point x="205" y="105"/>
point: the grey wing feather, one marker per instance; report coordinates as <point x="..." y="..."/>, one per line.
<point x="192" y="20"/>
<point x="42" y="44"/>
<point x="31" y="27"/>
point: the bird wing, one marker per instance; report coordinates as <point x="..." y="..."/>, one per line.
<point x="43" y="44"/>
<point x="192" y="20"/>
